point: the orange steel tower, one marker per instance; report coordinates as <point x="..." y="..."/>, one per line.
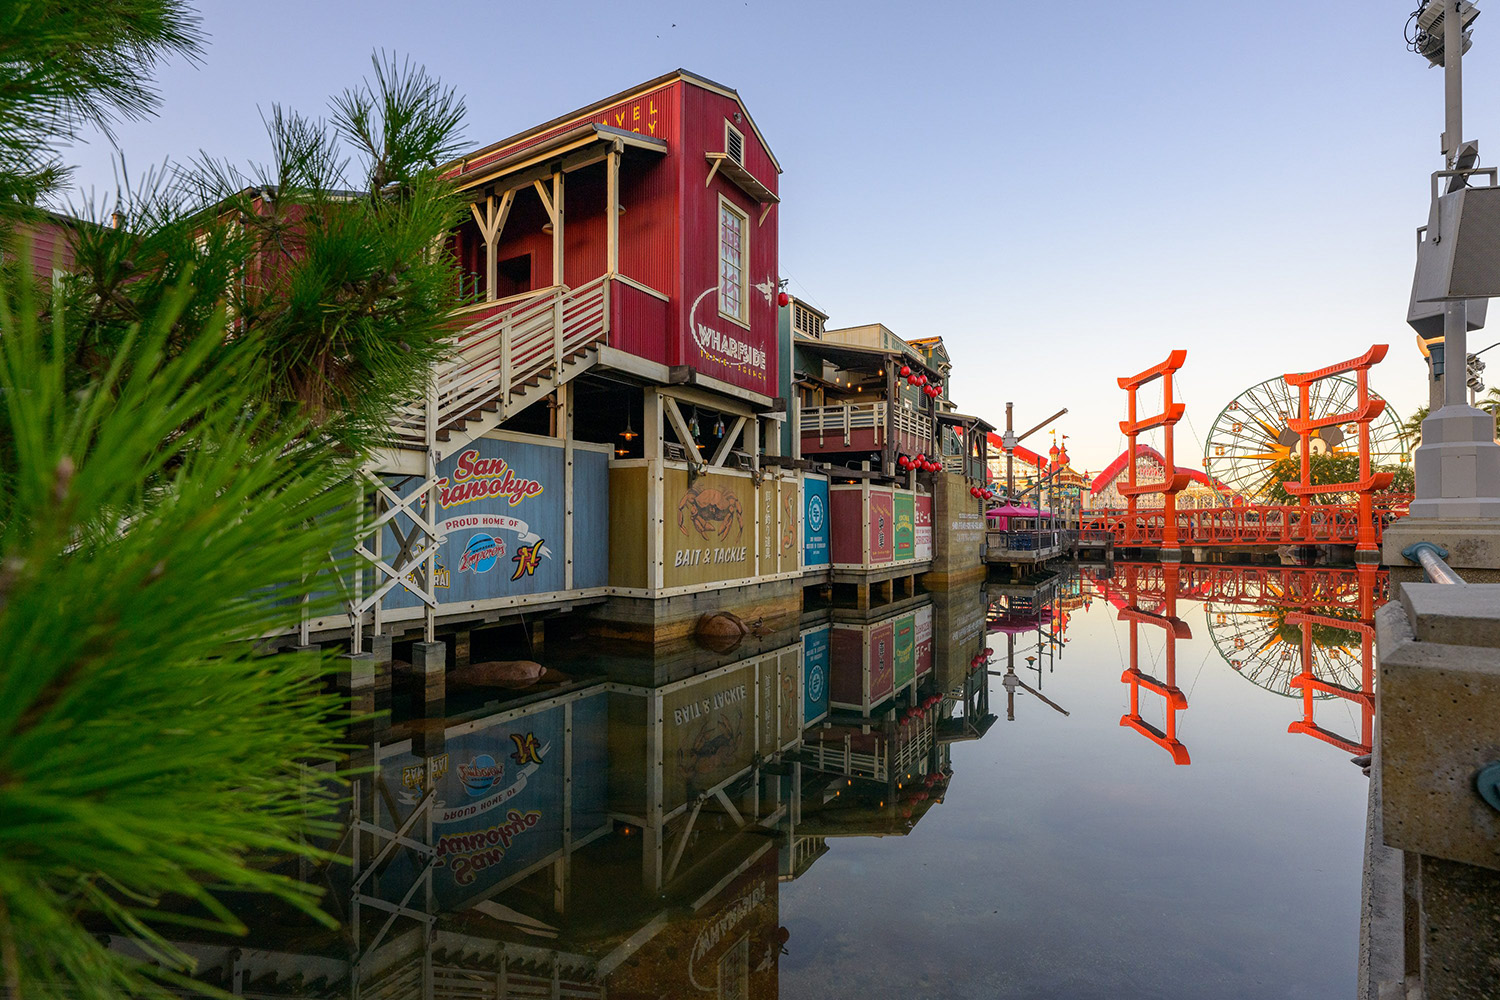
<point x="1366" y="410"/>
<point x="1176" y="629"/>
<point x="1174" y="481"/>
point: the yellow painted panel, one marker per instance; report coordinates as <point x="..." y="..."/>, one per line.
<point x="627" y="526"/>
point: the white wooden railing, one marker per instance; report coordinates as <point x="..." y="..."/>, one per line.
<point x="839" y="420"/>
<point x="494" y="357"/>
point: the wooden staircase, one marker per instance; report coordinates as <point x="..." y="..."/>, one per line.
<point x="505" y="359"/>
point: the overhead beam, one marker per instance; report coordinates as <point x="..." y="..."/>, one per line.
<point x="679" y="425"/>
<point x="1044" y="423"/>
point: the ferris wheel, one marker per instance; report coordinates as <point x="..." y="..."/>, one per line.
<point x="1251" y="434"/>
<point x="1260" y="646"/>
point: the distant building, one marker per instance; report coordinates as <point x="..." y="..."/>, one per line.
<point x="1150" y="467"/>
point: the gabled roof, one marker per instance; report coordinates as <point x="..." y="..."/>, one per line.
<point x="1118" y="465"/>
<point x="482" y="155"/>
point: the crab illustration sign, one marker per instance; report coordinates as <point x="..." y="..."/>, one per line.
<point x="710" y="524"/>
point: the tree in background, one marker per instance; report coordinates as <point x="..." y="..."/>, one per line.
<point x="326" y="261"/>
<point x="1331" y="468"/>
<point x="1412" y="429"/>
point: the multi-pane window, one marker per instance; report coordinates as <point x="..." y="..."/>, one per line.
<point x="731" y="261"/>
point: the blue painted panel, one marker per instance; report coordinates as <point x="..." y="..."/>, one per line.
<point x="815" y="522"/>
<point x="500" y="516"/>
<point x="815" y="655"/>
<point x="591" y="519"/>
<point x="498" y="805"/>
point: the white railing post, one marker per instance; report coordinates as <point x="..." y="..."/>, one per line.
<point x="505" y="365"/>
<point x="557" y="332"/>
<point x="433" y="416"/>
<point x="604" y="290"/>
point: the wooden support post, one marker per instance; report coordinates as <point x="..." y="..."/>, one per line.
<point x="892" y="405"/>
<point x="612" y="210"/>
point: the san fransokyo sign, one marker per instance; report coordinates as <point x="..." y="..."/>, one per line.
<point x="502" y="523"/>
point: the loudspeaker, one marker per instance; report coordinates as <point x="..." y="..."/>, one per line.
<point x="1459" y="258"/>
<point x="1427" y="317"/>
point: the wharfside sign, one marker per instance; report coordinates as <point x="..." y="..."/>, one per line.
<point x="729" y="350"/>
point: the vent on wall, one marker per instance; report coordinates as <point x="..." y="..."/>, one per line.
<point x="806" y="322"/>
<point x="734" y="143"/>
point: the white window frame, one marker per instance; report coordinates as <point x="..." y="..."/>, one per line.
<point x="741" y="318"/>
<point x="728" y="128"/>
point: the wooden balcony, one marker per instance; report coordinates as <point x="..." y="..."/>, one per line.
<point x="861" y="427"/>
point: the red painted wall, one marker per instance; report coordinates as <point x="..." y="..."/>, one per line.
<point x="846" y="519"/>
<point x="846" y="666"/>
<point x="704" y="115"/>
<point x="669" y="233"/>
<point x="860" y="439"/>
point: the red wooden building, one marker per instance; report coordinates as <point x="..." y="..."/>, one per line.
<point x="616" y="352"/>
<point x="668" y="187"/>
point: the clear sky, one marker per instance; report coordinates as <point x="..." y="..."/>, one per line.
<point x="1063" y="191"/>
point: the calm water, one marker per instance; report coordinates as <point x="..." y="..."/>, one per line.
<point x="860" y="805"/>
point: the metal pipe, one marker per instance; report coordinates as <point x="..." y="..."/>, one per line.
<point x="1431" y="557"/>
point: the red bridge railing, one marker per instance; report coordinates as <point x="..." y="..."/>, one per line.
<point x="1250" y="524"/>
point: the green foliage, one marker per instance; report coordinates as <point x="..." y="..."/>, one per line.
<point x="68" y="65"/>
<point x="152" y="525"/>
<point x="1327" y="469"/>
<point x="325" y="262"/>
<point x="1412" y="429"/>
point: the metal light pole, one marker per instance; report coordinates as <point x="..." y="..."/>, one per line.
<point x="1457" y="465"/>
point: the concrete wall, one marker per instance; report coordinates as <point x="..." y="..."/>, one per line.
<point x="957" y="534"/>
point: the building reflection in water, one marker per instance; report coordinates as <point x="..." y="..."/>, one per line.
<point x="622" y="829"/>
<point x="1305" y="633"/>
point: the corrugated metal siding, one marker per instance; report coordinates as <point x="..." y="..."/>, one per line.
<point x="51" y="247"/>
<point x="704" y="114"/>
<point x="638" y="322"/>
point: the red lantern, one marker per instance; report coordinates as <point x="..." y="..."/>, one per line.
<point x="911" y="380"/>
<point x="783" y="300"/>
<point x="903" y="461"/>
<point x="921" y="380"/>
<point x="974" y="492"/>
<point x="905" y="371"/>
